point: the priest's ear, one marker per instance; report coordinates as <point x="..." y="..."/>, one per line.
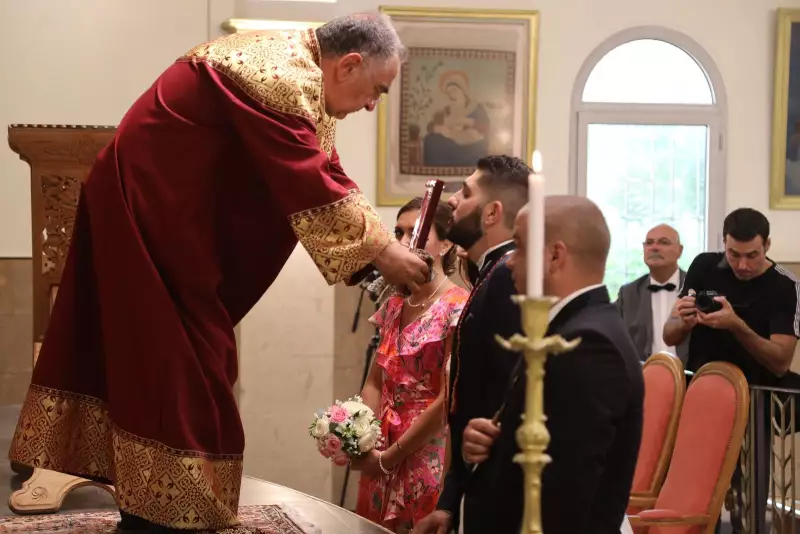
<point x="348" y="65"/>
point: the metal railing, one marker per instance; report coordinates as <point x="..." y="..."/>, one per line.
<point x="764" y="495"/>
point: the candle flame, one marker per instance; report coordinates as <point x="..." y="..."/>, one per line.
<point x="536" y="162"/>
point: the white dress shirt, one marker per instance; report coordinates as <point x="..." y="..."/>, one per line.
<point x="662" y="303"/>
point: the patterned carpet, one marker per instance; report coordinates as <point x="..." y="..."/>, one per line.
<point x="268" y="519"/>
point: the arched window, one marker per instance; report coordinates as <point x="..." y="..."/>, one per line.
<point x="648" y="142"/>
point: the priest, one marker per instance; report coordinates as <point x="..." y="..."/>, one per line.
<point x="215" y="174"/>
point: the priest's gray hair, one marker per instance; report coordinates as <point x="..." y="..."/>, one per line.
<point x="371" y="35"/>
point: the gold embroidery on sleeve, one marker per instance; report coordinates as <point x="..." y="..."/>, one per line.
<point x="343" y="237"/>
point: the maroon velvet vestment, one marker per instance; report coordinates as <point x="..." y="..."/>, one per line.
<point x="214" y="175"/>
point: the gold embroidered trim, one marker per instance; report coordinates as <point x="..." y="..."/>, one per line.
<point x="342" y="238"/>
<point x="74" y="434"/>
<point x="281" y="73"/>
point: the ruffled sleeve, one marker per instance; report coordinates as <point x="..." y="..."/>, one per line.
<point x="380" y="317"/>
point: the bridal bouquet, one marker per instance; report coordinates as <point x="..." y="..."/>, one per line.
<point x="345" y="430"/>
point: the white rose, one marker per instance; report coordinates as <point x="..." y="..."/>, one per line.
<point x="361" y="425"/>
<point x="367" y="442"/>
<point x="321" y="427"/>
<point x="354" y="407"/>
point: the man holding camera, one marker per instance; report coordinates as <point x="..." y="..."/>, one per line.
<point x="742" y="308"/>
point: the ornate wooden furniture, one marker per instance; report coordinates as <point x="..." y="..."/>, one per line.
<point x="710" y="431"/>
<point x="664" y="388"/>
<point x="60" y="158"/>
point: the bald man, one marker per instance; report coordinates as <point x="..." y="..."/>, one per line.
<point x="592" y="396"/>
<point x="646" y="303"/>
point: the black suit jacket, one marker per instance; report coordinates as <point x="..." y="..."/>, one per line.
<point x="481" y="366"/>
<point x="593" y="399"/>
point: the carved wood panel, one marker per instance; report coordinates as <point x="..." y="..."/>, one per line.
<point x="60" y="193"/>
<point x="60" y="158"/>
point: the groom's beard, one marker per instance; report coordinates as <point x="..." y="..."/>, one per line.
<point x="466" y="232"/>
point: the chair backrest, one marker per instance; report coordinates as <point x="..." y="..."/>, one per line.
<point x="710" y="431"/>
<point x="664" y="389"/>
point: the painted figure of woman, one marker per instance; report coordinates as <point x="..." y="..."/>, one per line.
<point x="459" y="133"/>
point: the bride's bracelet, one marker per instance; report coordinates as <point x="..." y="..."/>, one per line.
<point x="380" y="464"/>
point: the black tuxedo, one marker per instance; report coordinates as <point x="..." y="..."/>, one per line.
<point x="635" y="304"/>
<point x="480" y="368"/>
<point x="593" y="399"/>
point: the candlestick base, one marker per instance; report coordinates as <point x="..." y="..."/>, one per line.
<point x="532" y="435"/>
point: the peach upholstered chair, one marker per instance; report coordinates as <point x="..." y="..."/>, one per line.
<point x="664" y="388"/>
<point x="710" y="431"/>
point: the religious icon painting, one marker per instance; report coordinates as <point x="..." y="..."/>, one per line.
<point x="785" y="171"/>
<point x="466" y="90"/>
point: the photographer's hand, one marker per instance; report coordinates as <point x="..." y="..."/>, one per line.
<point x="681" y="321"/>
<point x="724" y="319"/>
<point x="686" y="311"/>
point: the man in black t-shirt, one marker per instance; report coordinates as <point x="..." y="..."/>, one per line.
<point x="758" y="324"/>
<point x="755" y="328"/>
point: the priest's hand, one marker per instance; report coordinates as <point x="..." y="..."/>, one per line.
<point x="479" y="437"/>
<point x="401" y="267"/>
<point x="437" y="522"/>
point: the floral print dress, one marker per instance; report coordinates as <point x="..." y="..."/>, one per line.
<point x="413" y="362"/>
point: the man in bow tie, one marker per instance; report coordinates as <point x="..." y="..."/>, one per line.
<point x="645" y="303"/>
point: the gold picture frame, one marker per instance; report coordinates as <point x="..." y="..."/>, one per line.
<point x="785" y="168"/>
<point x="505" y="44"/>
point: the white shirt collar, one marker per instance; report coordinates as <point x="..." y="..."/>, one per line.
<point x="482" y="259"/>
<point x="558" y="306"/>
<point x="674" y="279"/>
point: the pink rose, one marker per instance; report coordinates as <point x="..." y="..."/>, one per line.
<point x="340" y="458"/>
<point x="322" y="448"/>
<point x="338" y="414"/>
<point x="332" y="444"/>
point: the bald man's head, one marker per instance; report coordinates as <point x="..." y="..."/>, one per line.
<point x="579" y="224"/>
<point x="662" y="248"/>
<point x="577" y="242"/>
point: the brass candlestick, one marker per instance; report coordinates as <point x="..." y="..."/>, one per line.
<point x="532" y="435"/>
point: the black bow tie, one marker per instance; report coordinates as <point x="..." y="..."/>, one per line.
<point x="666" y="287"/>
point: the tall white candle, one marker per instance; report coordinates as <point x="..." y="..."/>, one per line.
<point x="535" y="256"/>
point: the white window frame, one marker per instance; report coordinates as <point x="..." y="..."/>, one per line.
<point x="713" y="116"/>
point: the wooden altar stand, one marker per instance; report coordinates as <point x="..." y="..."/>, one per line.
<point x="60" y="158"/>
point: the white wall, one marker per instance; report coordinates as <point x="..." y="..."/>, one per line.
<point x="79" y="62"/>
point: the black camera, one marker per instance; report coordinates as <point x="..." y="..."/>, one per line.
<point x="704" y="301"/>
